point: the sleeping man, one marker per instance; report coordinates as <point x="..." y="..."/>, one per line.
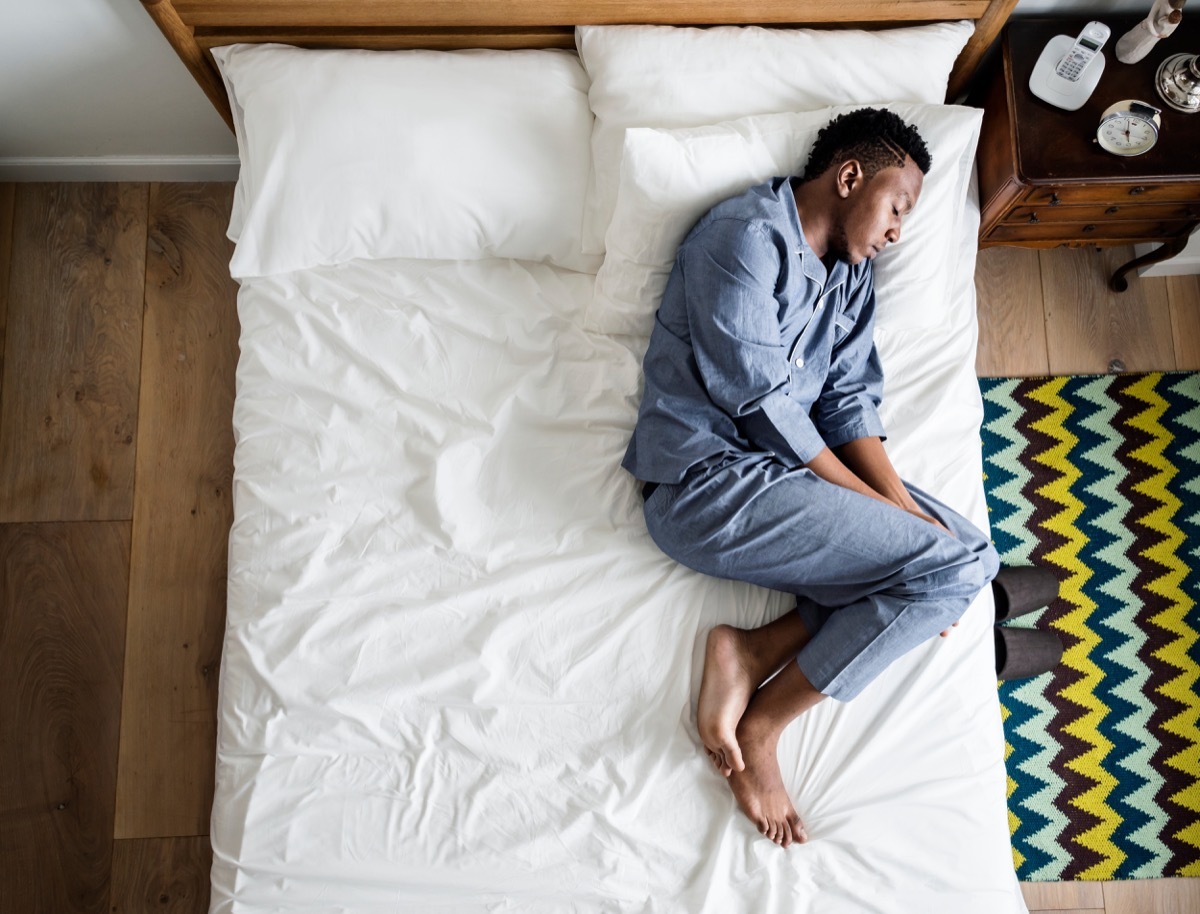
<point x="759" y="447"/>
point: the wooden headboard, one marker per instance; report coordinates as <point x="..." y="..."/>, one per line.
<point x="193" y="27"/>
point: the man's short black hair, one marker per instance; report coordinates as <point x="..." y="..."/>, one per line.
<point x="876" y="137"/>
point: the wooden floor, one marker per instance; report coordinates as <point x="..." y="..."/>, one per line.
<point x="118" y="343"/>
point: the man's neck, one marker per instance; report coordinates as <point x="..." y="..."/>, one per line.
<point x="814" y="213"/>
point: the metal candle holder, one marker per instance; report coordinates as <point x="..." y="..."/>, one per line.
<point x="1178" y="82"/>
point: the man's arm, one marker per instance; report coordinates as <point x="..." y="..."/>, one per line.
<point x="867" y="461"/>
<point x="832" y="468"/>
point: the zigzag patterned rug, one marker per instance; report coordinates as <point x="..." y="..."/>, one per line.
<point x="1098" y="479"/>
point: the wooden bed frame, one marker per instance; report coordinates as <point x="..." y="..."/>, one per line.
<point x="194" y="27"/>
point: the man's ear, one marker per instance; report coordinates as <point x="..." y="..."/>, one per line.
<point x="849" y="177"/>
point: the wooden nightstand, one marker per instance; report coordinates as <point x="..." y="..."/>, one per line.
<point x="1044" y="182"/>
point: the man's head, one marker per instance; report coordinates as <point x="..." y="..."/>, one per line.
<point x="872" y="164"/>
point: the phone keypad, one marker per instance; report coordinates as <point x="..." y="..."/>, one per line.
<point x="1072" y="66"/>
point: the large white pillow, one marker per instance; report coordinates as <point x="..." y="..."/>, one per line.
<point x="670" y="178"/>
<point x="662" y="76"/>
<point x="423" y="154"/>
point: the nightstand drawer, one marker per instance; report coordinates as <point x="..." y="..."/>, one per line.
<point x="1099" y="212"/>
<point x="1112" y="194"/>
<point x="1087" y="232"/>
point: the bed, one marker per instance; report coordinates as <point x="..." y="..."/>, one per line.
<point x="457" y="674"/>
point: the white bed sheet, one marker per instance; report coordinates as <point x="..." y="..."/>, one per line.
<point x="458" y="675"/>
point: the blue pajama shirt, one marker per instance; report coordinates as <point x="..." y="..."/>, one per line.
<point x="760" y="359"/>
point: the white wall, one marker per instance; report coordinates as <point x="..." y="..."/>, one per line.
<point x="90" y="89"/>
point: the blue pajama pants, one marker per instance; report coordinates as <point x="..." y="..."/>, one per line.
<point x="871" y="581"/>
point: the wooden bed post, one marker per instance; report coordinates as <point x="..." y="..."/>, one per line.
<point x="987" y="29"/>
<point x="183" y="40"/>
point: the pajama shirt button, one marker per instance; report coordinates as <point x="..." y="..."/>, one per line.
<point x="800" y="363"/>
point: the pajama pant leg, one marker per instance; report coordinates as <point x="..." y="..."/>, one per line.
<point x="872" y="581"/>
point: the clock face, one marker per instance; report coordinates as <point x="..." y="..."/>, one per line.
<point x="1127" y="134"/>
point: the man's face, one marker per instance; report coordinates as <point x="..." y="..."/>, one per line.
<point x="872" y="210"/>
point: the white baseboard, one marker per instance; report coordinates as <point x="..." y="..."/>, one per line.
<point x="1184" y="263"/>
<point x="120" y="168"/>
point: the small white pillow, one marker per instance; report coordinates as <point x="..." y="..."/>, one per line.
<point x="422" y="154"/>
<point x="662" y="76"/>
<point x="670" y="178"/>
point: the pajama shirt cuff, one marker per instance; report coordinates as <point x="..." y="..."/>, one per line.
<point x="867" y="425"/>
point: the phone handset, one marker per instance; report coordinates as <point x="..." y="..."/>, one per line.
<point x="1086" y="46"/>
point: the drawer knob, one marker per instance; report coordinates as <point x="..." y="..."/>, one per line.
<point x="1134" y="191"/>
<point x="1111" y="210"/>
<point x="1033" y="219"/>
<point x="1089" y="228"/>
<point x="1054" y="201"/>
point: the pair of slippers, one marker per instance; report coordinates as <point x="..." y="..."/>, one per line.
<point x="1021" y="652"/>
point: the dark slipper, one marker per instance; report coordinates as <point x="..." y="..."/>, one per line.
<point x="1022" y="589"/>
<point x="1025" y="652"/>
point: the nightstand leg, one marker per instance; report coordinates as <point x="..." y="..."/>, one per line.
<point x="1118" y="283"/>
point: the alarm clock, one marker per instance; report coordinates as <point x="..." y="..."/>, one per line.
<point x="1128" y="128"/>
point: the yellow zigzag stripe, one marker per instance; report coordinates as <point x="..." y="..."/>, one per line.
<point x="1173" y="618"/>
<point x="1078" y="656"/>
<point x="1014" y="821"/>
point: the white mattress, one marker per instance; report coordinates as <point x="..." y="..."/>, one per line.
<point x="458" y="675"/>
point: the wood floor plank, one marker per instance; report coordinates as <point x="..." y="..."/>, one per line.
<point x="163" y="875"/>
<point x="182" y="515"/>
<point x="1152" y="896"/>
<point x="1183" y="292"/>
<point x="62" y="635"/>
<point x="1063" y="896"/>
<point x="1012" y="324"/>
<point x="7" y="196"/>
<point x="1091" y="330"/>
<point x="70" y="389"/>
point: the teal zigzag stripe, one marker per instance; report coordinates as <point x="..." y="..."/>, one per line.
<point x="1037" y="786"/>
<point x="1123" y="690"/>
<point x="1007" y="476"/>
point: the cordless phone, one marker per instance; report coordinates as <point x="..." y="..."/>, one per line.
<point x="1089" y="42"/>
<point x="1069" y="69"/>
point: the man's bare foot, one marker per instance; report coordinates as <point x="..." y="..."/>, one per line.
<point x="725" y="690"/>
<point x="759" y="786"/>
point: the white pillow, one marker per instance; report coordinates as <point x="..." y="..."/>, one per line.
<point x="661" y="76"/>
<point x="670" y="178"/>
<point x="423" y="154"/>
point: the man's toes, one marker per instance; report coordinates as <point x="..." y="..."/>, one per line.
<point x="797" y="827"/>
<point x="718" y="760"/>
<point x="787" y="834"/>
<point x="733" y="758"/>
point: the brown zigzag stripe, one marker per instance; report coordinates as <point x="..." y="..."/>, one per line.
<point x="1135" y="474"/>
<point x="1038" y="443"/>
<point x="1065" y="711"/>
<point x="1164" y="708"/>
